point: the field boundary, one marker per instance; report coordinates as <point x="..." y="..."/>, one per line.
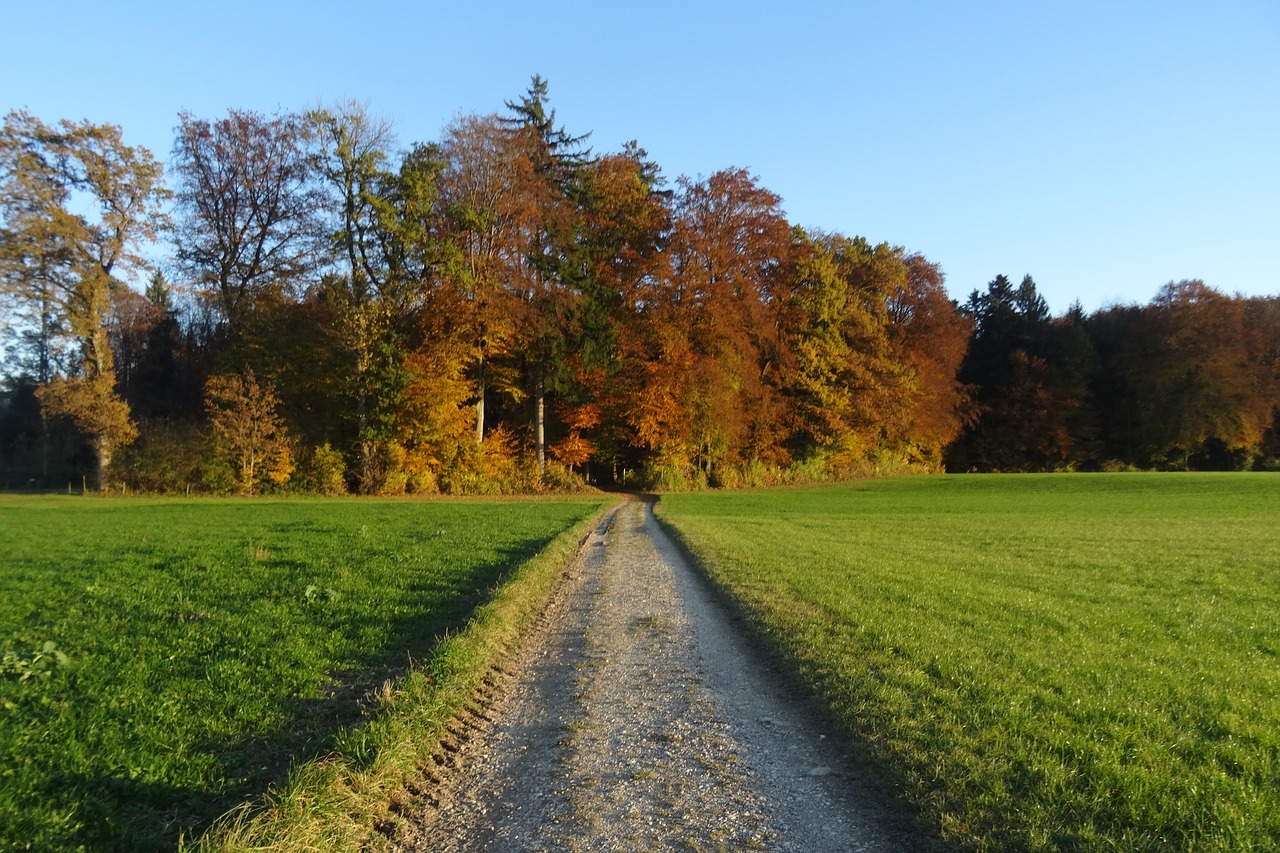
<point x="354" y="797"/>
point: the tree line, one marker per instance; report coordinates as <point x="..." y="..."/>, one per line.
<point x="1189" y="381"/>
<point x="505" y="309"/>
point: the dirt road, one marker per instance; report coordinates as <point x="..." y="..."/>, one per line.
<point x="638" y="720"/>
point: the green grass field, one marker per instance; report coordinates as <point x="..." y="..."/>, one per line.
<point x="1034" y="662"/>
<point x="201" y="647"/>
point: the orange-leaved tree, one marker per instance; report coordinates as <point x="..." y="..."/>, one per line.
<point x="931" y="338"/>
<point x="729" y="246"/>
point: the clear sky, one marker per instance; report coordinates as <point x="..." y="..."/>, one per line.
<point x="1103" y="146"/>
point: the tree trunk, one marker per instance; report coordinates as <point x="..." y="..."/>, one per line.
<point x="44" y="374"/>
<point x="102" y="463"/>
<point x="44" y="447"/>
<point x="480" y="401"/>
<point x="366" y="474"/>
<point x="540" y="419"/>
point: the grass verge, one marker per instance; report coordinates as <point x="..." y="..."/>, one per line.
<point x="353" y="799"/>
<point x="1035" y="663"/>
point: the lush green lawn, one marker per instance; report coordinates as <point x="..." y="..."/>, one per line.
<point x="210" y="643"/>
<point x="1039" y="663"/>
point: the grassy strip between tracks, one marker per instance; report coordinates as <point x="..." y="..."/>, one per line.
<point x="1067" y="662"/>
<point x="164" y="660"/>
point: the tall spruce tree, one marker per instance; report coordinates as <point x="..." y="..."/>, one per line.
<point x="556" y="159"/>
<point x="1029" y="394"/>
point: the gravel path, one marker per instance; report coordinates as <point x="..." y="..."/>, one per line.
<point x="638" y="720"/>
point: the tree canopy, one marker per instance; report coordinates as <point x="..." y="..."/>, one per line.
<point x="504" y="308"/>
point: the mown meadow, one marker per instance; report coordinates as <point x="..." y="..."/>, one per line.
<point x="165" y="660"/>
<point x="1060" y="662"/>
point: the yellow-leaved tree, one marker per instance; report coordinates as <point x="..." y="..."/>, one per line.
<point x="248" y="432"/>
<point x="76" y="207"/>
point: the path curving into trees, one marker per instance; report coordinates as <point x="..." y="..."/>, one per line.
<point x="639" y="719"/>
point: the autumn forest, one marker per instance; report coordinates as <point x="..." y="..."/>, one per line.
<point x="316" y="307"/>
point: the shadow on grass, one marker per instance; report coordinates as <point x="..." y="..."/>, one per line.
<point x="113" y="812"/>
<point x="117" y="813"/>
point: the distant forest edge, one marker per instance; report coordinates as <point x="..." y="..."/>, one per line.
<point x="504" y="309"/>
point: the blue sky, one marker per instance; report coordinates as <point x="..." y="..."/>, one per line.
<point x="1104" y="147"/>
